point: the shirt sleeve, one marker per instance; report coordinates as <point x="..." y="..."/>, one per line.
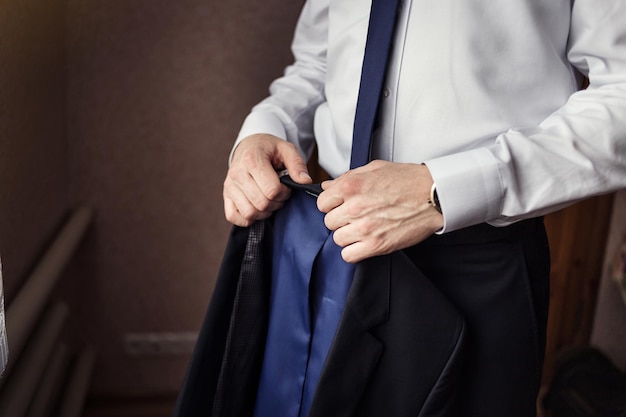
<point x="577" y="152"/>
<point x="288" y="112"/>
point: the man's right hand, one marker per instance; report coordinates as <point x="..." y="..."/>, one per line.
<point x="252" y="189"/>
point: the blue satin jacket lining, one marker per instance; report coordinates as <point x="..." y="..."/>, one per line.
<point x="310" y="283"/>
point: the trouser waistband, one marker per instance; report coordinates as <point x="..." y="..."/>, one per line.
<point x="486" y="233"/>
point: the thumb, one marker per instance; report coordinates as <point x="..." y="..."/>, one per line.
<point x="295" y="165"/>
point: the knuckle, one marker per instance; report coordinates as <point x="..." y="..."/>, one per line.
<point x="247" y="212"/>
<point x="248" y="159"/>
<point x="272" y="191"/>
<point x="377" y="163"/>
<point x="354" y="210"/>
<point x="381" y="246"/>
<point x="228" y="187"/>
<point x="299" y="160"/>
<point x="350" y="185"/>
<point x="234" y="217"/>
<point x="234" y="176"/>
<point x="367" y="228"/>
<point x="286" y="146"/>
<point x="377" y="244"/>
<point x="262" y="204"/>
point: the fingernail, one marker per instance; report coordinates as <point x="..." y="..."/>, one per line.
<point x="305" y="176"/>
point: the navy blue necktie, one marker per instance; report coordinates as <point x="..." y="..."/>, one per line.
<point x="377" y="50"/>
<point x="310" y="280"/>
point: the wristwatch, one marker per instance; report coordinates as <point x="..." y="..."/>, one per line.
<point x="434" y="198"/>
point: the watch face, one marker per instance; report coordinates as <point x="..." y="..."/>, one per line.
<point x="433" y="199"/>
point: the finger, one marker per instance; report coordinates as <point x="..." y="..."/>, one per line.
<point x="294" y="163"/>
<point x="345" y="236"/>
<point x="261" y="187"/>
<point x="244" y="205"/>
<point x="232" y="214"/>
<point x="329" y="200"/>
<point x="252" y="184"/>
<point x="337" y="218"/>
<point x="362" y="230"/>
<point x="264" y="189"/>
<point x="356" y="252"/>
<point x="260" y="182"/>
<point x="253" y="170"/>
<point x="241" y="210"/>
<point x="328" y="184"/>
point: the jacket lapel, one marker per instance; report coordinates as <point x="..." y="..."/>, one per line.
<point x="343" y="381"/>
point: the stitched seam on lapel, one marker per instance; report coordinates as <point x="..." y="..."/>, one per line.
<point x="358" y="345"/>
<point x="430" y="404"/>
<point x="371" y="305"/>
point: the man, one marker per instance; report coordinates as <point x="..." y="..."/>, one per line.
<point x="480" y="124"/>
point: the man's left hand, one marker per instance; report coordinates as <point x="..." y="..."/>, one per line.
<point x="379" y="208"/>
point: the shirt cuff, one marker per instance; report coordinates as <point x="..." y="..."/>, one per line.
<point x="468" y="187"/>
<point x="259" y="122"/>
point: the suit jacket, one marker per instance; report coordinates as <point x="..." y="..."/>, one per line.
<point x="397" y="351"/>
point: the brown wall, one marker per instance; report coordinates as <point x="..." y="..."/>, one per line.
<point x="131" y="107"/>
<point x="157" y="91"/>
<point x="33" y="146"/>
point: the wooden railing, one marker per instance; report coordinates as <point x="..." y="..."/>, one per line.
<point x="40" y="372"/>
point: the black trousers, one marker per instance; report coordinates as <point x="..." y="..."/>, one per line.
<point x="498" y="278"/>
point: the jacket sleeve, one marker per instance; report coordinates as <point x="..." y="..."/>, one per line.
<point x="577" y="152"/>
<point x="288" y="112"/>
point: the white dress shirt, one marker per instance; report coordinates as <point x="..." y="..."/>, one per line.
<point x="483" y="92"/>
